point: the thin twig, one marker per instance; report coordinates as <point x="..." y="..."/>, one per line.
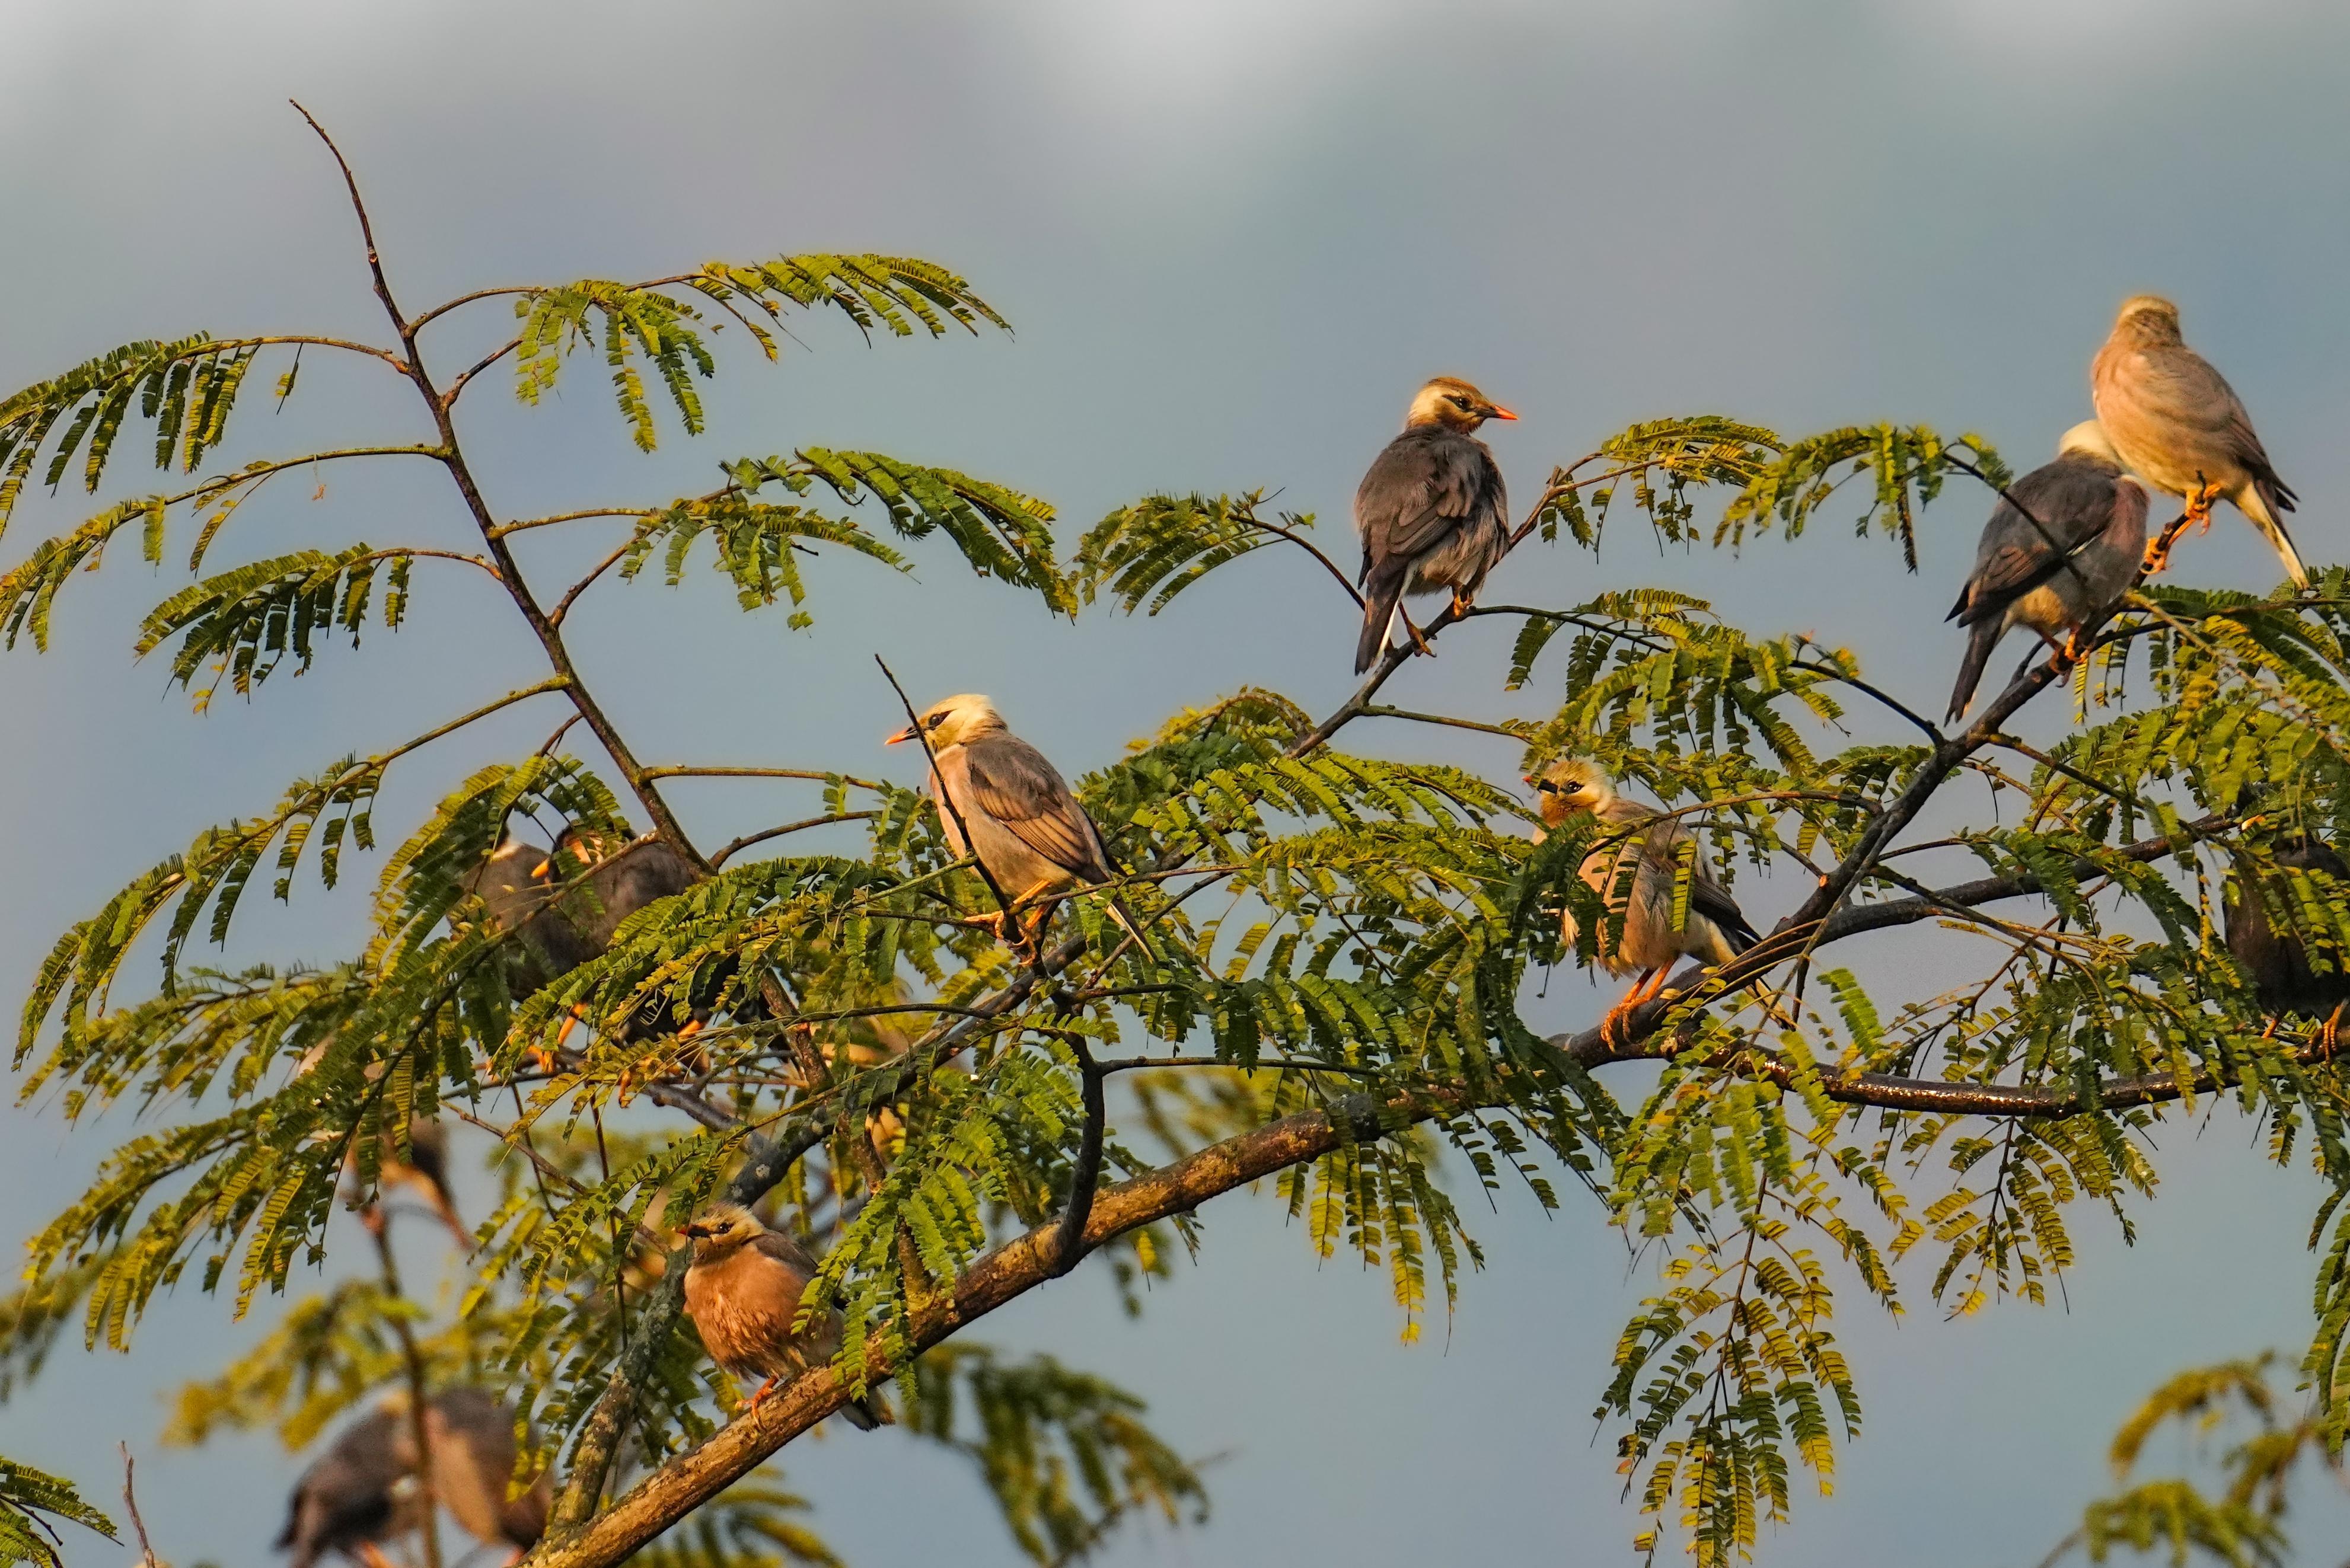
<point x="131" y="1503"/>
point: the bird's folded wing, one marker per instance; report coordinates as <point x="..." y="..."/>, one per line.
<point x="1711" y="900"/>
<point x="1415" y="495"/>
<point x="786" y="1251"/>
<point x="2180" y="387"/>
<point x="1012" y="781"/>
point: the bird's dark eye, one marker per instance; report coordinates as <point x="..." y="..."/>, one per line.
<point x="1457" y="401"/>
<point x="934" y="721"/>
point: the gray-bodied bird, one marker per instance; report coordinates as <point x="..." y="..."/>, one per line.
<point x="2061" y="548"/>
<point x="1024" y="825"/>
<point x="1635" y="872"/>
<point x="743" y="1291"/>
<point x="2176" y="421"/>
<point x="348" y="1499"/>
<point x="1432" y="511"/>
<point x="2278" y="961"/>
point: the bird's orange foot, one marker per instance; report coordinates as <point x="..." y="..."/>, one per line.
<point x="2329" y="1032"/>
<point x="1419" y="641"/>
<point x="2199" y="502"/>
<point x="757" y="1395"/>
<point x="1616" y="1029"/>
<point x="1459" y="604"/>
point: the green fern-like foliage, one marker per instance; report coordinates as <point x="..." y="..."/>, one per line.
<point x="1329" y="1004"/>
<point x="29" y="1498"/>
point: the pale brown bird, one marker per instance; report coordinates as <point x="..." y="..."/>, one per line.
<point x="1024" y="825"/>
<point x="1432" y="510"/>
<point x="743" y="1291"/>
<point x="474" y="1458"/>
<point x="2061" y="548"/>
<point x="425" y="1172"/>
<point x="1635" y="873"/>
<point x="2176" y="421"/>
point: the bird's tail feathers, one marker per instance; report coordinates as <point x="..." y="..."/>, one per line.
<point x="2269" y="500"/>
<point x="867" y="1413"/>
<point x="1980" y="642"/>
<point x="1380" y="599"/>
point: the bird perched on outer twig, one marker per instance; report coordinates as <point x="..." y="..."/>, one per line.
<point x="2060" y="550"/>
<point x="2278" y="961"/>
<point x="743" y="1291"/>
<point x="425" y="1172"/>
<point x="1635" y="872"/>
<point x="1432" y="511"/>
<point x="348" y="1500"/>
<point x="2176" y="421"/>
<point x="1024" y="825"/>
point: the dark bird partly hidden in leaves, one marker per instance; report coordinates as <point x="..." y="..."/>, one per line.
<point x="563" y="904"/>
<point x="1635" y="872"/>
<point x="364" y="1489"/>
<point x="1432" y="511"/>
<point x="1025" y="827"/>
<point x="2284" y="976"/>
<point x="2060" y="550"/>
<point x="743" y="1292"/>
<point x="2176" y="421"/>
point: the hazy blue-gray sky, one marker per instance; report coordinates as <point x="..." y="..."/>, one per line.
<point x="1232" y="237"/>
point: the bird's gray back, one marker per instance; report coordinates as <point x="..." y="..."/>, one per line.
<point x="1426" y="482"/>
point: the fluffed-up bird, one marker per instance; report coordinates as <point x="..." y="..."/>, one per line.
<point x="2061" y="548"/>
<point x="1432" y="511"/>
<point x="2177" y="421"/>
<point x="1634" y="870"/>
<point x="363" y="1491"/>
<point x="743" y="1291"/>
<point x="2283" y="976"/>
<point x="1024" y="824"/>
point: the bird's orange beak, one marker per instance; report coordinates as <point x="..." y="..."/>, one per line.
<point x="905" y="735"/>
<point x="1495" y="411"/>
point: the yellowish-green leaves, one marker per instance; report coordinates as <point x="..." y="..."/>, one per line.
<point x="26" y="1495"/>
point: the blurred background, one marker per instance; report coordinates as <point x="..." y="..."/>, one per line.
<point x="1232" y="238"/>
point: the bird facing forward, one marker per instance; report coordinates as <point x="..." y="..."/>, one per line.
<point x="743" y="1291"/>
<point x="1432" y="511"/>
<point x="2061" y="548"/>
<point x="1634" y="872"/>
<point x="1024" y="824"/>
<point x="2176" y="421"/>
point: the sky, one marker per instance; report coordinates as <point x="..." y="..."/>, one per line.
<point x="1231" y="238"/>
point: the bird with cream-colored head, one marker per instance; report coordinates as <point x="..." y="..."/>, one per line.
<point x="2148" y="318"/>
<point x="951" y="721"/>
<point x="2089" y="437"/>
<point x="1571" y="787"/>
<point x="1452" y="402"/>
<point x="721" y="1227"/>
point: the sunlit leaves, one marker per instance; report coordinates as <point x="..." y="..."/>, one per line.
<point x="239" y="626"/>
<point x="26" y="1495"/>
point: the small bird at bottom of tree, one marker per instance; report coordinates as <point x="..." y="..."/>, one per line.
<point x="1432" y="510"/>
<point x="2061" y="549"/>
<point x="744" y="1291"/>
<point x="1635" y="872"/>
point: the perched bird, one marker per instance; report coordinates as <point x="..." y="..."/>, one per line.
<point x="2278" y="961"/>
<point x="2061" y="548"/>
<point x="1634" y="872"/>
<point x="744" y="1289"/>
<point x="348" y="1500"/>
<point x="563" y="905"/>
<point x="2176" y="421"/>
<point x="1432" y="511"/>
<point x="363" y="1491"/>
<point x="425" y="1172"/>
<point x="473" y="1436"/>
<point x="1024" y="825"/>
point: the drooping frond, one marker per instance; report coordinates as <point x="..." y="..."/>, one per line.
<point x="238" y="626"/>
<point x="26" y="1495"/>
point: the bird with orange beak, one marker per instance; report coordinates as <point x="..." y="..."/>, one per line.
<point x="746" y="1293"/>
<point x="1432" y="511"/>
<point x="1001" y="801"/>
